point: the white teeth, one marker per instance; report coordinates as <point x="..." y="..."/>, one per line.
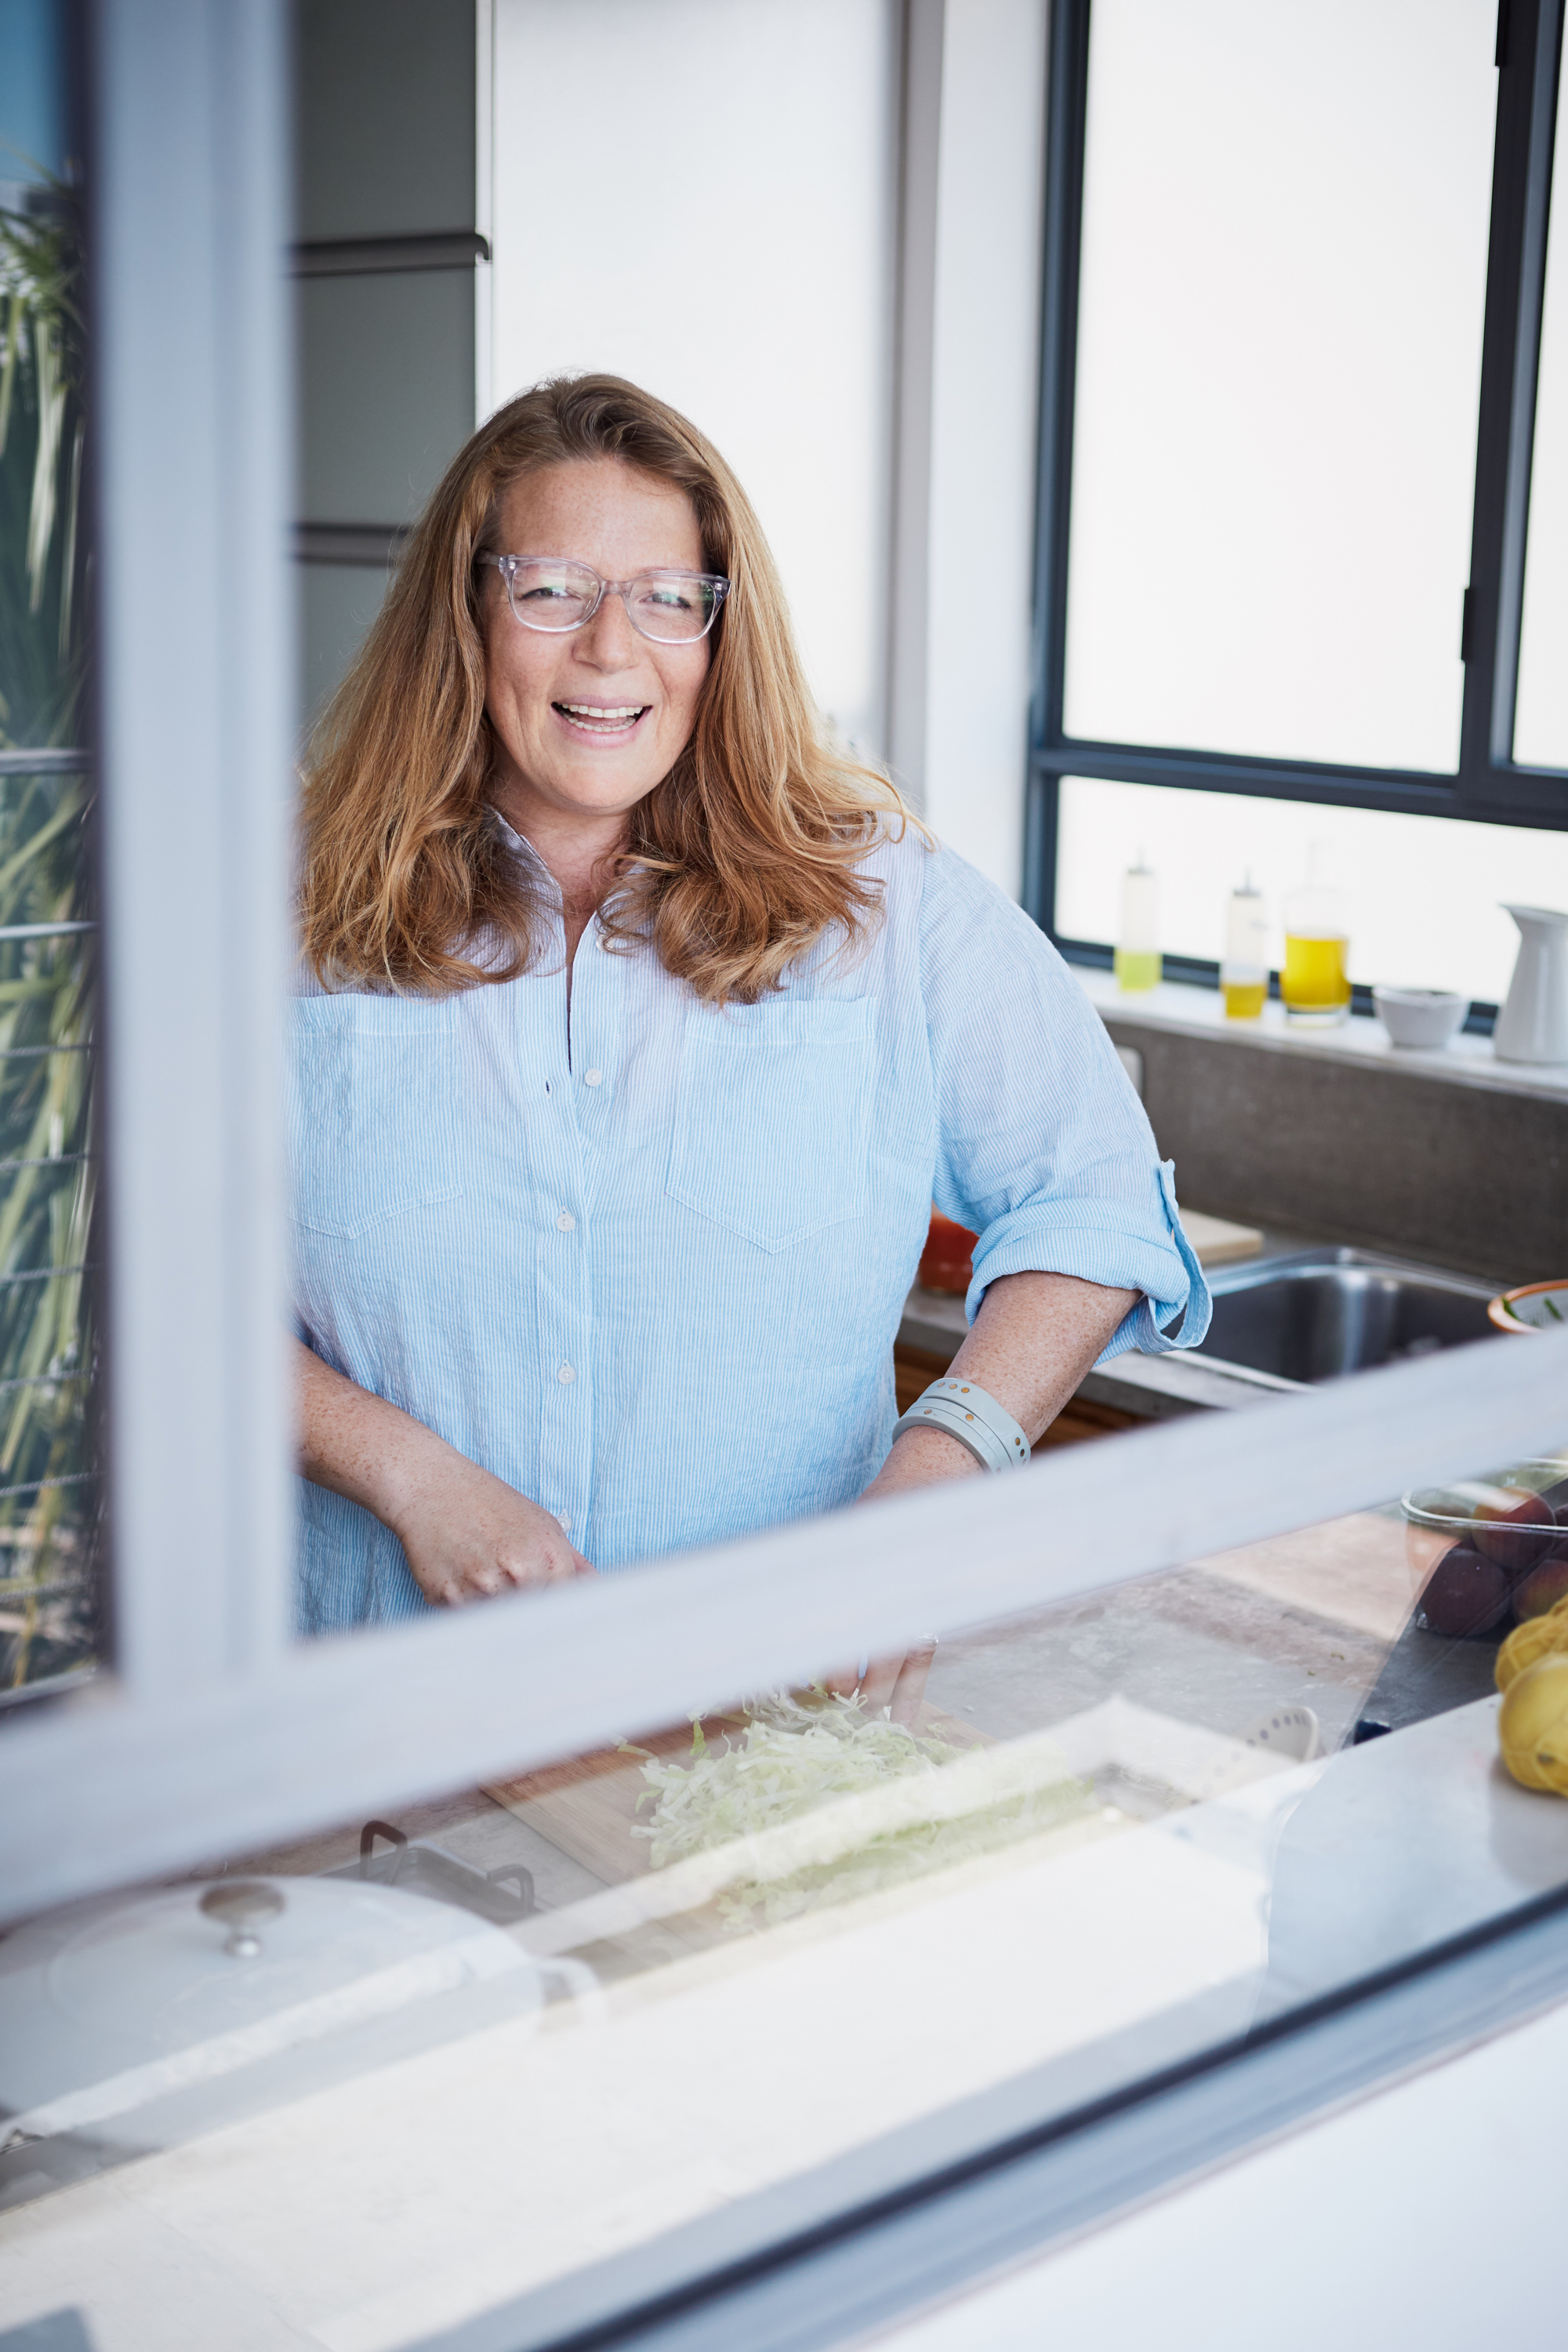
<point x="591" y="710"/>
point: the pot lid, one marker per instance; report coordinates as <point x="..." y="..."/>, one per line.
<point x="111" y="2004"/>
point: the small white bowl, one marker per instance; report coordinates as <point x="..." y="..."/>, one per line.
<point x="1533" y="1307"/>
<point x="1420" y="1017"/>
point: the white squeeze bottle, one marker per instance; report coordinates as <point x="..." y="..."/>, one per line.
<point x="1244" y="974"/>
<point x="1138" y="941"/>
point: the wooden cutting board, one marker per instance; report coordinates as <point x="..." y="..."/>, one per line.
<point x="588" y="1805"/>
<point x="1216" y="1242"/>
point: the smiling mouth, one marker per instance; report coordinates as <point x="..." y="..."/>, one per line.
<point x="609" y="719"/>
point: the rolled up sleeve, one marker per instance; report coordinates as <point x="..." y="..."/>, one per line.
<point x="1045" y="1150"/>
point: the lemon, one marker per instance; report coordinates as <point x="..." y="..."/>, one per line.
<point x="1536" y="1639"/>
<point x="1532" y="1727"/>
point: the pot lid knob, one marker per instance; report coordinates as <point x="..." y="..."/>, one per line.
<point x="241" y="1905"/>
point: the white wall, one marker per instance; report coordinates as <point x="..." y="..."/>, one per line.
<point x="702" y="196"/>
<point x="764" y="306"/>
<point x="984" y="410"/>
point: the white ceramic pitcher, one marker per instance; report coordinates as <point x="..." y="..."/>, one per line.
<point x="1533" y="1024"/>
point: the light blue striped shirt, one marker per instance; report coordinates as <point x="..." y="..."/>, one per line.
<point x="648" y="1269"/>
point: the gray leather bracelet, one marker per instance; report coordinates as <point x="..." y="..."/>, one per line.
<point x="974" y="1418"/>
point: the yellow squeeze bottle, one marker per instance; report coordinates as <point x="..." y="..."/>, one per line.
<point x="1244" y="974"/>
<point x="1137" y="959"/>
<point x="1315" y="982"/>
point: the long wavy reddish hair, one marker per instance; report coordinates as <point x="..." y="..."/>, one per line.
<point x="745" y="855"/>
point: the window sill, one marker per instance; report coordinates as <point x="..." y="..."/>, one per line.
<point x="1179" y="1008"/>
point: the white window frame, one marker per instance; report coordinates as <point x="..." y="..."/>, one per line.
<point x="215" y="1731"/>
<point x="214" y="1728"/>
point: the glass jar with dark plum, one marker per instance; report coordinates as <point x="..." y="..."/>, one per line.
<point x="1486" y="1553"/>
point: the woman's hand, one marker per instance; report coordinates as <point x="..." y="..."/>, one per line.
<point x="466" y="1535"/>
<point x="469" y="1536"/>
<point x="896" y="1682"/>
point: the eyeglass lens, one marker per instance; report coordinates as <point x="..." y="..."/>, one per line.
<point x="670" y="607"/>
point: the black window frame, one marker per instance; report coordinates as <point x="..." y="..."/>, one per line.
<point x="1489" y="784"/>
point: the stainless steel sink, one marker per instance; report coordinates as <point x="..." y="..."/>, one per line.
<point x="1322" y="1313"/>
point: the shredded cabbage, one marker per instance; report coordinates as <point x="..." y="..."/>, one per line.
<point x="821" y="1802"/>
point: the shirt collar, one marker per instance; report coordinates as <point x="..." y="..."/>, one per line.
<point x="523" y="849"/>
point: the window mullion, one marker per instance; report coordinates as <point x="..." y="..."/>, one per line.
<point x="1066" y="114"/>
<point x="1529" y="36"/>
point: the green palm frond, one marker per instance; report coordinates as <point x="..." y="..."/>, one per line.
<point x="43" y="452"/>
<point x="48" y="1506"/>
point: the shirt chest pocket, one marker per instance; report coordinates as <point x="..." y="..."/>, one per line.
<point x="772" y="1117"/>
<point x="373" y="1122"/>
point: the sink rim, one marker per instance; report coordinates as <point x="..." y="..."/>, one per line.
<point x="1329" y="1258"/>
<point x="1323" y="1261"/>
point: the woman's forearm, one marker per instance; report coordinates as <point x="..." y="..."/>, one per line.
<point x="357" y="1444"/>
<point x="1034" y="1338"/>
<point x="465" y="1533"/>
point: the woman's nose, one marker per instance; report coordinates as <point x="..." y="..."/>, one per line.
<point x="609" y="640"/>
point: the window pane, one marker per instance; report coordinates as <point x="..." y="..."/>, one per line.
<point x="1541" y="717"/>
<point x="48" y="1492"/>
<point x="1284" y="263"/>
<point x="645" y="2007"/>
<point x="1425" y="892"/>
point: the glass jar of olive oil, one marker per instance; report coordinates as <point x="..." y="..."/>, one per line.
<point x="1315" y="981"/>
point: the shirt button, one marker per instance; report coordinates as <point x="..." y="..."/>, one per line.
<point x="565" y="1374"/>
<point x="592" y="1077"/>
<point x="564" y="1523"/>
<point x="565" y="1222"/>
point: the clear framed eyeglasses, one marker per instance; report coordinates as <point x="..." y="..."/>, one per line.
<point x="557" y="593"/>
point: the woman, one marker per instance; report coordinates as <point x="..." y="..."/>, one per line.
<point x="640" y="1032"/>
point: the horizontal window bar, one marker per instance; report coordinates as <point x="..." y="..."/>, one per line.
<point x="40" y="1053"/>
<point x="46" y="1273"/>
<point x="40" y="762"/>
<point x="367" y="543"/>
<point x="53" y="1159"/>
<point x="1538" y="797"/>
<point x="1156" y="763"/>
<point x="358" y="257"/>
<point x="42" y="930"/>
<point x="336" y="1728"/>
<point x="41" y="1485"/>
